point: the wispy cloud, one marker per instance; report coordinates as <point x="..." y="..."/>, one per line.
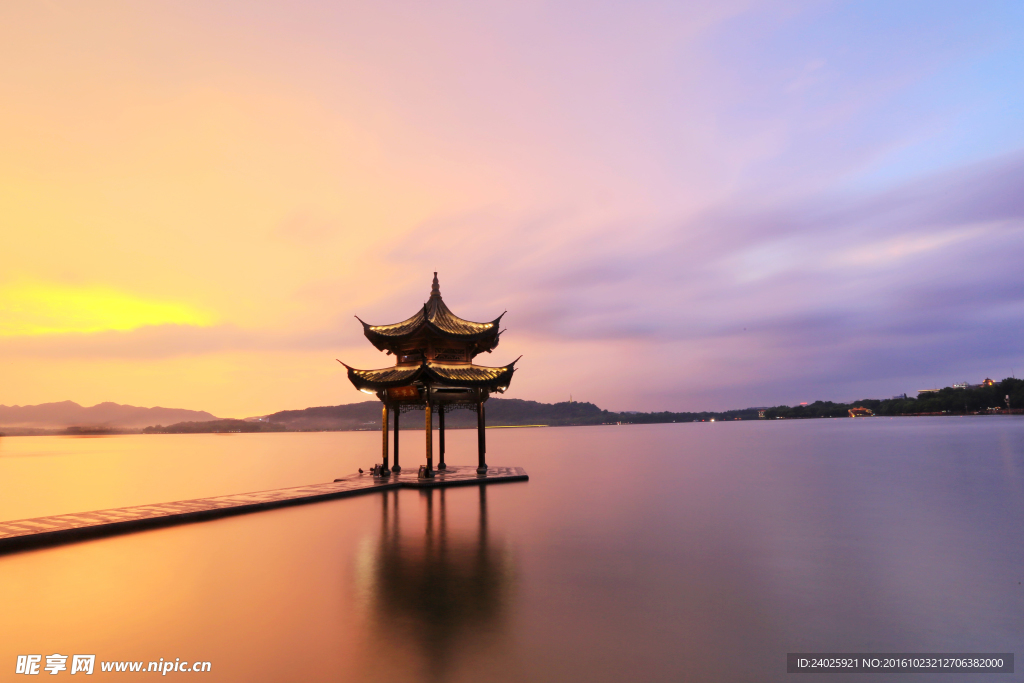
<point x="156" y="342"/>
<point x="31" y="309"/>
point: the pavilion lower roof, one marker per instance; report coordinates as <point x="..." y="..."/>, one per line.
<point x="431" y="373"/>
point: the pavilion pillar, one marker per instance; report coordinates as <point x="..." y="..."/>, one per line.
<point x="440" y="438"/>
<point x="428" y="471"/>
<point x="397" y="468"/>
<point x="481" y="440"/>
<point x="384" y="471"/>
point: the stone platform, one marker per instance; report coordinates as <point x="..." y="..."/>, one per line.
<point x="40" y="531"/>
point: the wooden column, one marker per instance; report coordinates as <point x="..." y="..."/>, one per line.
<point x="384" y="431"/>
<point x="430" y="440"/>
<point x="481" y="439"/>
<point x="397" y="467"/>
<point x="440" y="438"/>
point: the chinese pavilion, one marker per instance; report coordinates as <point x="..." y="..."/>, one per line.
<point x="434" y="370"/>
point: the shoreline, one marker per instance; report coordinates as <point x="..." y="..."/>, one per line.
<point x="87" y="434"/>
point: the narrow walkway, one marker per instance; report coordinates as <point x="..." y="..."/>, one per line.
<point x="25" y="533"/>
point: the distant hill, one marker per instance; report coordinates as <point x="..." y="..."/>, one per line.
<point x="216" y="427"/>
<point x="998" y="397"/>
<point x="500" y="412"/>
<point x="109" y="415"/>
<point x="71" y="418"/>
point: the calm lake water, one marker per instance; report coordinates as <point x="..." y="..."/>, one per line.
<point x="679" y="552"/>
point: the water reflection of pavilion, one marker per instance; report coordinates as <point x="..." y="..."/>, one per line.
<point x="445" y="589"/>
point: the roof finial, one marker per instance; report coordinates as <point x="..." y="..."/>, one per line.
<point x="435" y="288"/>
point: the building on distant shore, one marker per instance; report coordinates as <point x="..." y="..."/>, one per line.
<point x="987" y="382"/>
<point x="860" y="412"/>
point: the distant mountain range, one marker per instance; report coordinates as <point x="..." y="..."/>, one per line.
<point x="47" y="416"/>
<point x="501" y="412"/>
<point x="67" y="417"/>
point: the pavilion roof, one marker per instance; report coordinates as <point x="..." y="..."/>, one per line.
<point x="429" y="372"/>
<point x="436" y="318"/>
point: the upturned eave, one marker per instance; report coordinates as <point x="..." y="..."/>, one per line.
<point x="433" y="374"/>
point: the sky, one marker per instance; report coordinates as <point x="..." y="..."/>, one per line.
<point x="682" y="206"/>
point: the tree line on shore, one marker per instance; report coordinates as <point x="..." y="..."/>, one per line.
<point x="518" y="412"/>
<point x="500" y="412"/>
<point x="216" y="426"/>
<point x="955" y="400"/>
